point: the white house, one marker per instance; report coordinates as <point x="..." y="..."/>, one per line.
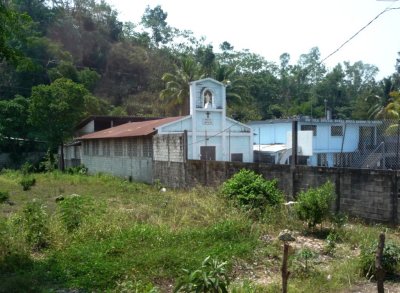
<point x="321" y="142"/>
<point x="130" y="149"/>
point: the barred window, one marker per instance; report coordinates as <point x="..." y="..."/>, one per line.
<point x="147" y="148"/>
<point x="310" y="127"/>
<point x="86" y="147"/>
<point x="322" y="160"/>
<point x="106" y="148"/>
<point x="118" y="148"/>
<point x="95" y="147"/>
<point x="132" y="147"/>
<point x="336" y="130"/>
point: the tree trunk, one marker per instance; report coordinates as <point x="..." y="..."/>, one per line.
<point x="285" y="273"/>
<point x="62" y="165"/>
<point x="380" y="272"/>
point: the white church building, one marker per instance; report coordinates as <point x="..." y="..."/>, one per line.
<point x="130" y="149"/>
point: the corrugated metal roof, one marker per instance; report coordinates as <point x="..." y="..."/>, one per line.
<point x="130" y="129"/>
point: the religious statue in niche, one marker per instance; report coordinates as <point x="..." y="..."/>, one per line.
<point x="208" y="99"/>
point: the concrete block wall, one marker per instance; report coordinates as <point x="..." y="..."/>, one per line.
<point x="168" y="147"/>
<point x="367" y="194"/>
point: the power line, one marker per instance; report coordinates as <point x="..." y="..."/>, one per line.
<point x="359" y="31"/>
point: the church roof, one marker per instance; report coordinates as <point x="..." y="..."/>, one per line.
<point x="131" y="129"/>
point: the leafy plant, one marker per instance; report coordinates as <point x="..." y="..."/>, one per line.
<point x="390" y="259"/>
<point x="4" y="196"/>
<point x="81" y="169"/>
<point x="302" y="258"/>
<point x="252" y="191"/>
<point x="27" y="168"/>
<point x="72" y="210"/>
<point x="132" y="286"/>
<point x="331" y="241"/>
<point x="27" y="182"/>
<point x="210" y="277"/>
<point x="314" y="205"/>
<point x="35" y="220"/>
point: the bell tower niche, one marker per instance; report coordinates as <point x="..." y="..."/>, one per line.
<point x="207" y="95"/>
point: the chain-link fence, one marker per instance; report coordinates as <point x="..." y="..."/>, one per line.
<point x="377" y="147"/>
<point x="331" y="143"/>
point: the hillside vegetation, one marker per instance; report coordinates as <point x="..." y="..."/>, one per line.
<point x="103" y="234"/>
<point x="71" y="59"/>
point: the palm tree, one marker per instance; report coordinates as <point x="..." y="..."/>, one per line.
<point x="176" y="92"/>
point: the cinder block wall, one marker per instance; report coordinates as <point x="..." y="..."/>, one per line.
<point x="367" y="194"/>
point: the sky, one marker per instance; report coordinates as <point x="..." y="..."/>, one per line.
<point x="273" y="27"/>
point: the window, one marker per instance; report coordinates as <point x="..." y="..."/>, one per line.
<point x="132" y="147"/>
<point x="322" y="160"/>
<point x="95" y="147"/>
<point x="237" y="157"/>
<point x="106" y="148"/>
<point x="309" y="127"/>
<point x="118" y="149"/>
<point x="336" y="130"/>
<point x="147" y="148"/>
<point x="86" y="148"/>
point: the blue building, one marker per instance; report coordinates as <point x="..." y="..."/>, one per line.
<point x="321" y="142"/>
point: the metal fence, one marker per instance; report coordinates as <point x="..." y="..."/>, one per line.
<point x="343" y="144"/>
<point x="377" y="147"/>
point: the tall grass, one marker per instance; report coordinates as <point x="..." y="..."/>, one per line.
<point x="113" y="235"/>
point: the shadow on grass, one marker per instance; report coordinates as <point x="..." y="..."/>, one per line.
<point x="20" y="273"/>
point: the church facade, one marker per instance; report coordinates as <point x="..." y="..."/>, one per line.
<point x="131" y="150"/>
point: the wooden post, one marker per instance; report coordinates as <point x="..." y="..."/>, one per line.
<point x="285" y="273"/>
<point x="380" y="272"/>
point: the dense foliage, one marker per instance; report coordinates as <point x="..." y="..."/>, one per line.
<point x="144" y="69"/>
<point x="251" y="191"/>
<point x="314" y="204"/>
<point x="390" y="259"/>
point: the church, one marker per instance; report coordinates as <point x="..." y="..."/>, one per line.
<point x="132" y="149"/>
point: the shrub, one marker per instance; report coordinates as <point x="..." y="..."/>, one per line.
<point x="27" y="182"/>
<point x="4" y="196"/>
<point x="314" y="205"/>
<point x="34" y="219"/>
<point x="210" y="277"/>
<point x="252" y="191"/>
<point x="72" y="211"/>
<point x="390" y="259"/>
<point x="27" y="168"/>
<point x="81" y="169"/>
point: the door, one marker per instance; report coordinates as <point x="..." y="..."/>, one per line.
<point x="207" y="153"/>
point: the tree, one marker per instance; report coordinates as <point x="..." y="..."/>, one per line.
<point x="155" y="19"/>
<point x="54" y="110"/>
<point x="13" y="122"/>
<point x="13" y="27"/>
<point x="176" y="92"/>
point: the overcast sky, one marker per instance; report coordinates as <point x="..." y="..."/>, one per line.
<point x="270" y="28"/>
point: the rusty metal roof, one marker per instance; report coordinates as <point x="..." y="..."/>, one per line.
<point x="130" y="129"/>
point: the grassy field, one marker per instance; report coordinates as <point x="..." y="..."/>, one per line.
<point x="110" y="235"/>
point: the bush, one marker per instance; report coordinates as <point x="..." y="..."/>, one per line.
<point x="35" y="221"/>
<point x="81" y="169"/>
<point x="72" y="210"/>
<point x="4" y="196"/>
<point x="210" y="277"/>
<point x="390" y="259"/>
<point x="252" y="191"/>
<point x="27" y="182"/>
<point x="314" y="205"/>
<point x="27" y="168"/>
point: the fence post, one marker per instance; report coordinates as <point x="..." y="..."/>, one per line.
<point x="294" y="157"/>
<point x="380" y="272"/>
<point x="395" y="197"/>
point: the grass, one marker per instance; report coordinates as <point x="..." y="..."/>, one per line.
<point x="123" y="236"/>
